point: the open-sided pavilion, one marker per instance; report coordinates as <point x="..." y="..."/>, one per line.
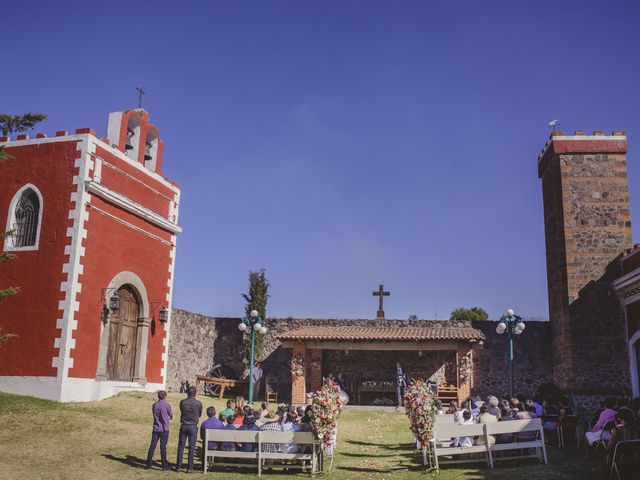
<point x="315" y="343"/>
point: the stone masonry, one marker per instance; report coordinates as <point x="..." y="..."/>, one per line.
<point x="198" y="342"/>
<point x="587" y="226"/>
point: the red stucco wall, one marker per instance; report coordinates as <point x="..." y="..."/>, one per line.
<point x="32" y="314"/>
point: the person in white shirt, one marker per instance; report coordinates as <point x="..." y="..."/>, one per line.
<point x="258" y="374"/>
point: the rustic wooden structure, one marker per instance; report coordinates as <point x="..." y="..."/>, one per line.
<point x="311" y="341"/>
<point x="220" y="383"/>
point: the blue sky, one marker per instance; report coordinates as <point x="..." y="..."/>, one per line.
<point x="343" y="144"/>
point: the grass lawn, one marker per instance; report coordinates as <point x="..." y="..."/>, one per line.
<point x="109" y="439"/>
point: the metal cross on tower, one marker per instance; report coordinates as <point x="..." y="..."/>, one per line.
<point x="141" y="92"/>
<point x="381" y="294"/>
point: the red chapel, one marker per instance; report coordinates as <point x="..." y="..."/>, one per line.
<point x="93" y="225"/>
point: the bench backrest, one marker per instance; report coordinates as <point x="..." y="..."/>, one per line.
<point x="448" y="430"/>
<point x="240" y="436"/>
<point x="445" y="418"/>
<point x="287" y="437"/>
<point x="255" y="436"/>
<point x="514" y="426"/>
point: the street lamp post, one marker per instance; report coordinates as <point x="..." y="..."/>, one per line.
<point x="513" y="325"/>
<point x="254" y="324"/>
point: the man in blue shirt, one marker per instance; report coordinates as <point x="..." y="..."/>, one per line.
<point x="162" y="415"/>
<point x="210" y="424"/>
<point x="190" y="412"/>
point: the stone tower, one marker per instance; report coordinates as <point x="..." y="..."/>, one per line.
<point x="587" y="227"/>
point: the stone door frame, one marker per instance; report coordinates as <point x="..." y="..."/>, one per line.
<point x="142" y="334"/>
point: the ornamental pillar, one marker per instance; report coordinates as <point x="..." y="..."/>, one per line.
<point x="142" y="342"/>
<point x="464" y="384"/>
<point x="316" y="369"/>
<point x="298" y="382"/>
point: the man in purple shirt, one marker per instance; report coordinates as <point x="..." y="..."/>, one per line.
<point x="162" y="415"/>
<point x="211" y="423"/>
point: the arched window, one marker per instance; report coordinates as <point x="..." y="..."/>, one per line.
<point x="23" y="224"/>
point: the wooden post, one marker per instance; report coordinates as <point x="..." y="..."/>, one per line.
<point x="298" y="382"/>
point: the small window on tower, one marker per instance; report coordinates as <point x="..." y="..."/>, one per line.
<point x="24" y="220"/>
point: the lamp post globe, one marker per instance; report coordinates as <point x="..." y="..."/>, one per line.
<point x="257" y="326"/>
<point x="510" y="312"/>
<point x="263" y="330"/>
<point x="254" y="313"/>
<point x="242" y="327"/>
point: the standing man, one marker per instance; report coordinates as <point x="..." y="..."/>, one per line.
<point x="162" y="415"/>
<point x="190" y="412"/>
<point x="401" y="383"/>
<point x="257" y="379"/>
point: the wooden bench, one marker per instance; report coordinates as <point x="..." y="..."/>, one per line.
<point x="442" y="444"/>
<point x="311" y="460"/>
<point x="519" y="427"/>
<point x="445" y="432"/>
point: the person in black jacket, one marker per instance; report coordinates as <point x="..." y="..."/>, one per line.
<point x="190" y="412"/>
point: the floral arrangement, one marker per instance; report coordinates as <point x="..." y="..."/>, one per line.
<point x="465" y="368"/>
<point x="325" y="411"/>
<point x="297" y="365"/>
<point x="420" y="407"/>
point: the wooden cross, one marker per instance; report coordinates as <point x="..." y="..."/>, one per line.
<point x="141" y="92"/>
<point x="381" y="294"/>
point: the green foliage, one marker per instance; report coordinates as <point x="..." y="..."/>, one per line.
<point x="19" y="123"/>
<point x="256" y="300"/>
<point x="3" y="154"/>
<point x="473" y="313"/>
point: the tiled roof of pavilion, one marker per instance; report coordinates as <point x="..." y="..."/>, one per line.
<point x="383" y="333"/>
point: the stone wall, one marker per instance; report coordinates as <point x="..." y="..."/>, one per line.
<point x="191" y="345"/>
<point x="199" y="342"/>
<point x="587" y="227"/>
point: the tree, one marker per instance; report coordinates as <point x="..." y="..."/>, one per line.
<point x="256" y="300"/>
<point x="473" y="313"/>
<point x="19" y="123"/>
<point x="6" y="292"/>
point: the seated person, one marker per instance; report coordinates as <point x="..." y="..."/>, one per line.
<point x="271" y="424"/>
<point x="624" y="430"/>
<point x="607" y="415"/>
<point x="229" y="446"/>
<point x="238" y="417"/>
<point x="292" y="424"/>
<point x="526" y="411"/>
<point x="250" y="425"/>
<point x="453" y="407"/>
<point x="492" y="406"/>
<point x="465" y="419"/>
<point x="231" y="407"/>
<point x="485" y="417"/>
<point x="210" y="424"/>
<point x="439" y="410"/>
<point x="239" y="401"/>
<point x="505" y="416"/>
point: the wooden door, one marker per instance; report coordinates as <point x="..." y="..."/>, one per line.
<point x="122" y="337"/>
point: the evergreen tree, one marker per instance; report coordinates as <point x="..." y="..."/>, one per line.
<point x="473" y="313"/>
<point x="256" y="300"/>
